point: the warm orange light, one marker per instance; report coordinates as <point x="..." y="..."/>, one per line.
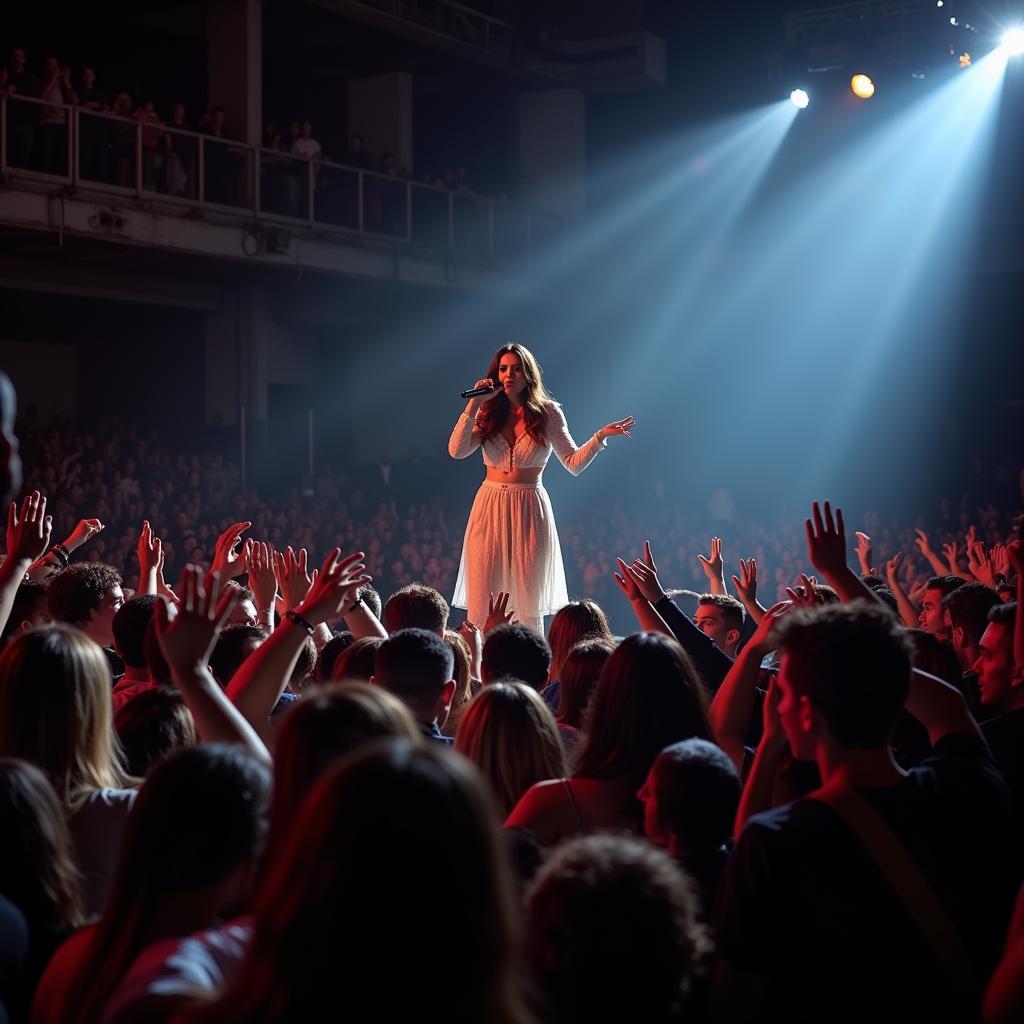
<point x="965" y="60"/>
<point x="862" y="86"/>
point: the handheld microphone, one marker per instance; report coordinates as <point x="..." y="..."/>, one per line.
<point x="477" y="392"/>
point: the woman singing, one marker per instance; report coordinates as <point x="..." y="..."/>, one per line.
<point x="511" y="543"/>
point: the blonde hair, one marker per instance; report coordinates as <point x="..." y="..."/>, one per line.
<point x="55" y="712"/>
<point x="509" y="733"/>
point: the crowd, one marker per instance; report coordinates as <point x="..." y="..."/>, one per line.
<point x="37" y="138"/>
<point x="262" y="785"/>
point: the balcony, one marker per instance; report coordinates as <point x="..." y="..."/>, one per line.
<point x="117" y="176"/>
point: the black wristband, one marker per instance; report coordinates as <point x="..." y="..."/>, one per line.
<point x="299" y="621"/>
<point x="62" y="554"/>
<point x="355" y="604"/>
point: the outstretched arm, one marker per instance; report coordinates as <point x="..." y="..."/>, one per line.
<point x="629" y="584"/>
<point x="908" y="613"/>
<point x="28" y="536"/>
<point x="924" y="545"/>
<point x="575" y="457"/>
<point x="746" y="589"/>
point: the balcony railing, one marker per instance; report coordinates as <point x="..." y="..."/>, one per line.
<point x="97" y="152"/>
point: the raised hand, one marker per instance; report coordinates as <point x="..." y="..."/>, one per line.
<point x="645" y="573"/>
<point x="924" y="545"/>
<point x="188" y="638"/>
<point x="28" y="535"/>
<point x="479" y="401"/>
<point x="761" y="642"/>
<point x="227" y="559"/>
<point x="293" y="575"/>
<point x="333" y="587"/>
<point x="497" y="612"/>
<point x="806" y="597"/>
<point x="1000" y="556"/>
<point x="470" y="632"/>
<point x="628" y="582"/>
<point x="714" y="567"/>
<point x="980" y="564"/>
<point x="83" y="533"/>
<point x="746" y="582"/>
<point x="826" y="541"/>
<point x="951" y="552"/>
<point x="863" y="552"/>
<point x="162" y="587"/>
<point x="618" y="427"/>
<point x="150" y="554"/>
<point x="262" y="574"/>
<point x="892" y="568"/>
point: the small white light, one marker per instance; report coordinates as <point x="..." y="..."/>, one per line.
<point x="799" y="98"/>
<point x="1013" y="41"/>
<point x="952" y="21"/>
<point x="940" y="3"/>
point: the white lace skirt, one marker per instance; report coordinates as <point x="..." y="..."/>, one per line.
<point x="511" y="545"/>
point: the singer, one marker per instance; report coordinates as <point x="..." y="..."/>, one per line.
<point x="511" y="543"/>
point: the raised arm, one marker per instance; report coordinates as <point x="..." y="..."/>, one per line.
<point x="257" y="686"/>
<point x="826" y="545"/>
<point x="186" y="641"/>
<point x="575" y="457"/>
<point x="57" y="557"/>
<point x="708" y="658"/>
<point x="28" y="536"/>
<point x="733" y="705"/>
<point x="939" y="707"/>
<point x="924" y="545"/>
<point x="746" y="589"/>
<point x="908" y="613"/>
<point x="714" y="567"/>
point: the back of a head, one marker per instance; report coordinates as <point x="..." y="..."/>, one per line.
<point x="853" y="662"/>
<point x="697" y="789"/>
<point x="233" y="646"/>
<point x="344" y="910"/>
<point x="201" y="812"/>
<point x="968" y="607"/>
<point x="648" y="697"/>
<point x="612" y="932"/>
<point x="329" y="654"/>
<point x="416" y="606"/>
<point x="129" y="625"/>
<point x="55" y="710"/>
<point x="935" y="656"/>
<point x="199" y="817"/>
<point x="358" y="661"/>
<point x="571" y="624"/>
<point x="153" y="725"/>
<point x="415" y="665"/>
<point x="329" y="723"/>
<point x="580" y="672"/>
<point x="29" y="605"/>
<point x="516" y="651"/>
<point x="77" y="591"/>
<point x="37" y="867"/>
<point x="509" y="733"/>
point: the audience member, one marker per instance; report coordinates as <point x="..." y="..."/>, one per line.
<point x="416" y="666"/>
<point x="517" y="652"/>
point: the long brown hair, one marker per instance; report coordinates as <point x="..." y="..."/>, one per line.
<point x="55" y="712"/>
<point x="492" y="417"/>
<point x="510" y="734"/>
<point x="576" y="621"/>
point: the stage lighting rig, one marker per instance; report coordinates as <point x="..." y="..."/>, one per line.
<point x="1013" y="41"/>
<point x="799" y="98"/>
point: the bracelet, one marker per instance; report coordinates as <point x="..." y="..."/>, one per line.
<point x="355" y="604"/>
<point x="299" y="621"/>
<point x="62" y="554"/>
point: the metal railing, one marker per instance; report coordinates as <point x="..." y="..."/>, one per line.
<point x="91" y="151"/>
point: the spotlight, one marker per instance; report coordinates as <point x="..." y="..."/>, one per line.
<point x="1013" y="41"/>
<point x="799" y="98"/>
<point x="862" y="86"/>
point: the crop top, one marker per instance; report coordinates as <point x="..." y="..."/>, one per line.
<point x="526" y="453"/>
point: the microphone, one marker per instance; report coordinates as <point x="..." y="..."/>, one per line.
<point x="477" y="392"/>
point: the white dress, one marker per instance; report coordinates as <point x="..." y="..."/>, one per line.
<point x="511" y="542"/>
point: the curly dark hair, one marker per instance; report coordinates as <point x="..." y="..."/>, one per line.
<point x="79" y="589"/>
<point x="612" y="932"/>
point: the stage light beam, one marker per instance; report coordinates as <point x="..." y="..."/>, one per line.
<point x="862" y="87"/>
<point x="799" y="99"/>
<point x="1013" y="41"/>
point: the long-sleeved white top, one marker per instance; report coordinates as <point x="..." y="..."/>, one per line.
<point x="526" y="453"/>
